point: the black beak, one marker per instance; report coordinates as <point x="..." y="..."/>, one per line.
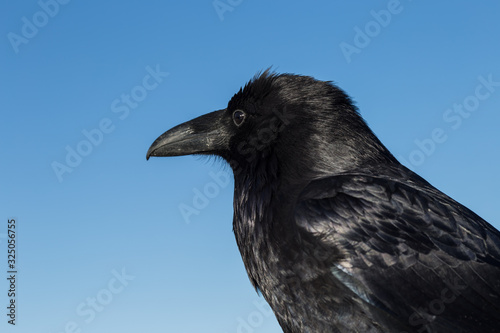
<point x="203" y="135"/>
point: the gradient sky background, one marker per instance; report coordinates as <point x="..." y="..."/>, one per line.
<point x="115" y="211"/>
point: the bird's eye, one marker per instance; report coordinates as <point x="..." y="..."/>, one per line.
<point x="239" y="117"/>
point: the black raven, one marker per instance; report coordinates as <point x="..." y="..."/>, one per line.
<point x="333" y="230"/>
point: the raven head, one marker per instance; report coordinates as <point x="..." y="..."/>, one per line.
<point x="310" y="127"/>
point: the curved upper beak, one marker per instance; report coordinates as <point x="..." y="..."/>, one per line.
<point x="202" y="135"/>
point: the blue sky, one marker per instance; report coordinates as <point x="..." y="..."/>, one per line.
<point x="87" y="87"/>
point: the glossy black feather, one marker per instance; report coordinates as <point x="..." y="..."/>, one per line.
<point x="423" y="257"/>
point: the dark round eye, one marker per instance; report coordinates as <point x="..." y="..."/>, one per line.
<point x="239" y="117"/>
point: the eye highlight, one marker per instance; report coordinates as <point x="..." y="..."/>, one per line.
<point x="239" y="117"/>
